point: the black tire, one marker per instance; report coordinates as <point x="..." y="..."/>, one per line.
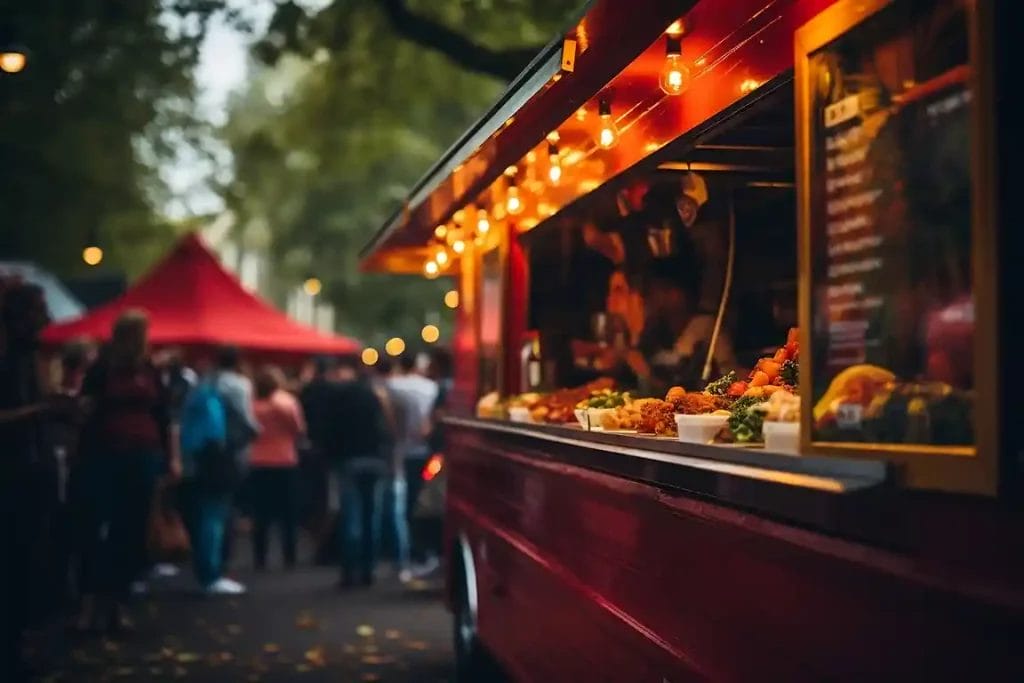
<point x="473" y="664"/>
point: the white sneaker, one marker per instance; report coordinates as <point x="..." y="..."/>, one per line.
<point x="428" y="567"/>
<point x="225" y="586"/>
<point x="164" y="570"/>
<point x="405" y="576"/>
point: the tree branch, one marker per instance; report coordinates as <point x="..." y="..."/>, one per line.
<point x="504" y="64"/>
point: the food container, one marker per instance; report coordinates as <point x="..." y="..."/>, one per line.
<point x="699" y="428"/>
<point x="581" y="416"/>
<point x="519" y="414"/>
<point x="595" y="415"/>
<point x="782" y="437"/>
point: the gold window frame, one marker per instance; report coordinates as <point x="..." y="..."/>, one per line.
<point x="965" y="469"/>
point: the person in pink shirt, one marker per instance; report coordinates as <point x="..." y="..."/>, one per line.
<point x="274" y="461"/>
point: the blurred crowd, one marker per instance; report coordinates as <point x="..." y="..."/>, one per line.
<point x="117" y="463"/>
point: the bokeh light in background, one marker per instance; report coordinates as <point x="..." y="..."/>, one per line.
<point x="451" y="299"/>
<point x="430" y="333"/>
<point x="395" y="346"/>
<point x="12" y="61"/>
<point x="92" y="255"/>
<point x="370" y="356"/>
<point x="312" y="286"/>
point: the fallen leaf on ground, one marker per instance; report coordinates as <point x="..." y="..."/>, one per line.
<point x="369" y="649"/>
<point x="124" y="671"/>
<point x="303" y="668"/>
<point x="417" y="645"/>
<point x="365" y="630"/>
<point x="368" y="678"/>
<point x="316" y="656"/>
<point x="305" y="621"/>
<point x="271" y="648"/>
<point x="377" y="659"/>
<point x="392" y="634"/>
<point x="110" y="646"/>
<point x="186" y="657"/>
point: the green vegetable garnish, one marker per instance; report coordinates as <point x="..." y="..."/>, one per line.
<point x="744" y="423"/>
<point x="720" y="385"/>
<point x="790" y="373"/>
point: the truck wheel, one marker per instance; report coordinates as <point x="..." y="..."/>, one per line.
<point x="473" y="664"/>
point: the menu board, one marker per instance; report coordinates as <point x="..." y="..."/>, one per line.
<point x="892" y="304"/>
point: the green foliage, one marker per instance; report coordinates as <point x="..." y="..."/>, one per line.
<point x="329" y="139"/>
<point x="106" y="94"/>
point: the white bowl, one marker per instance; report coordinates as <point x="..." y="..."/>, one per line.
<point x="581" y="416"/>
<point x="519" y="414"/>
<point x="782" y="437"/>
<point x="595" y="415"/>
<point x="699" y="428"/>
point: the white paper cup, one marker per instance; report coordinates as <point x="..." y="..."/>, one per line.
<point x="782" y="437"/>
<point x="699" y="428"/>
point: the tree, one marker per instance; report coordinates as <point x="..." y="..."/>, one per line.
<point x="106" y="94"/>
<point x="331" y="135"/>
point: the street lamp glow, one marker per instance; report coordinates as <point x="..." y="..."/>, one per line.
<point x="370" y="356"/>
<point x="13" y="61"/>
<point x="312" y="286"/>
<point x="394" y="346"/>
<point x="451" y="298"/>
<point x="430" y="333"/>
<point x="92" y="255"/>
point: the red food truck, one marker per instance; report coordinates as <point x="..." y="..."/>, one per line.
<point x="734" y="350"/>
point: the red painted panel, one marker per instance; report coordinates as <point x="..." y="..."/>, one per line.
<point x="516" y="293"/>
<point x="640" y="583"/>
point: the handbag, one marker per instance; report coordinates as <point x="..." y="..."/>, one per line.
<point x="166" y="536"/>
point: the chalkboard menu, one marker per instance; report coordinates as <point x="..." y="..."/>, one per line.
<point x="889" y="234"/>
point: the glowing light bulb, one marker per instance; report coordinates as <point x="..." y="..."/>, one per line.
<point x="430" y="333"/>
<point x="442" y="257"/>
<point x="430" y="269"/>
<point x="749" y="85"/>
<point x="459" y="246"/>
<point x="609" y="133"/>
<point x="555" y="161"/>
<point x="513" y="204"/>
<point x="394" y="346"/>
<point x="441" y="231"/>
<point x="312" y="286"/>
<point x="451" y="298"/>
<point x="675" y="75"/>
<point x="92" y="255"/>
<point x="370" y="356"/>
<point x="12" y="62"/>
<point x="483" y="224"/>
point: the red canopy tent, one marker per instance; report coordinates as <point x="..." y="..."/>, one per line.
<point x="193" y="301"/>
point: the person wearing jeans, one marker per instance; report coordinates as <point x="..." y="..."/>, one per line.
<point x="208" y="522"/>
<point x="359" y="441"/>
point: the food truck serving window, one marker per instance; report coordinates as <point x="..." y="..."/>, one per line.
<point x="890" y="226"/>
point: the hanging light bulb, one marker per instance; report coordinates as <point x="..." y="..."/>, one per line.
<point x="513" y="204"/>
<point x="441" y="258"/>
<point x="483" y="223"/>
<point x="555" y="164"/>
<point x="430" y="269"/>
<point x="441" y="231"/>
<point x="608" y="136"/>
<point x="675" y="75"/>
<point x="459" y="246"/>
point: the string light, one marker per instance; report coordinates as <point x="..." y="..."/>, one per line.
<point x="430" y="269"/>
<point x="483" y="224"/>
<point x="12" y="61"/>
<point x="555" y="161"/>
<point x="394" y="346"/>
<point x="312" y="286"/>
<point x="430" y="333"/>
<point x="459" y="246"/>
<point x="749" y="85"/>
<point x="92" y="255"/>
<point x="451" y="298"/>
<point x="441" y="231"/>
<point x="608" y="136"/>
<point x="370" y="356"/>
<point x="675" y="75"/>
<point x="441" y="258"/>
